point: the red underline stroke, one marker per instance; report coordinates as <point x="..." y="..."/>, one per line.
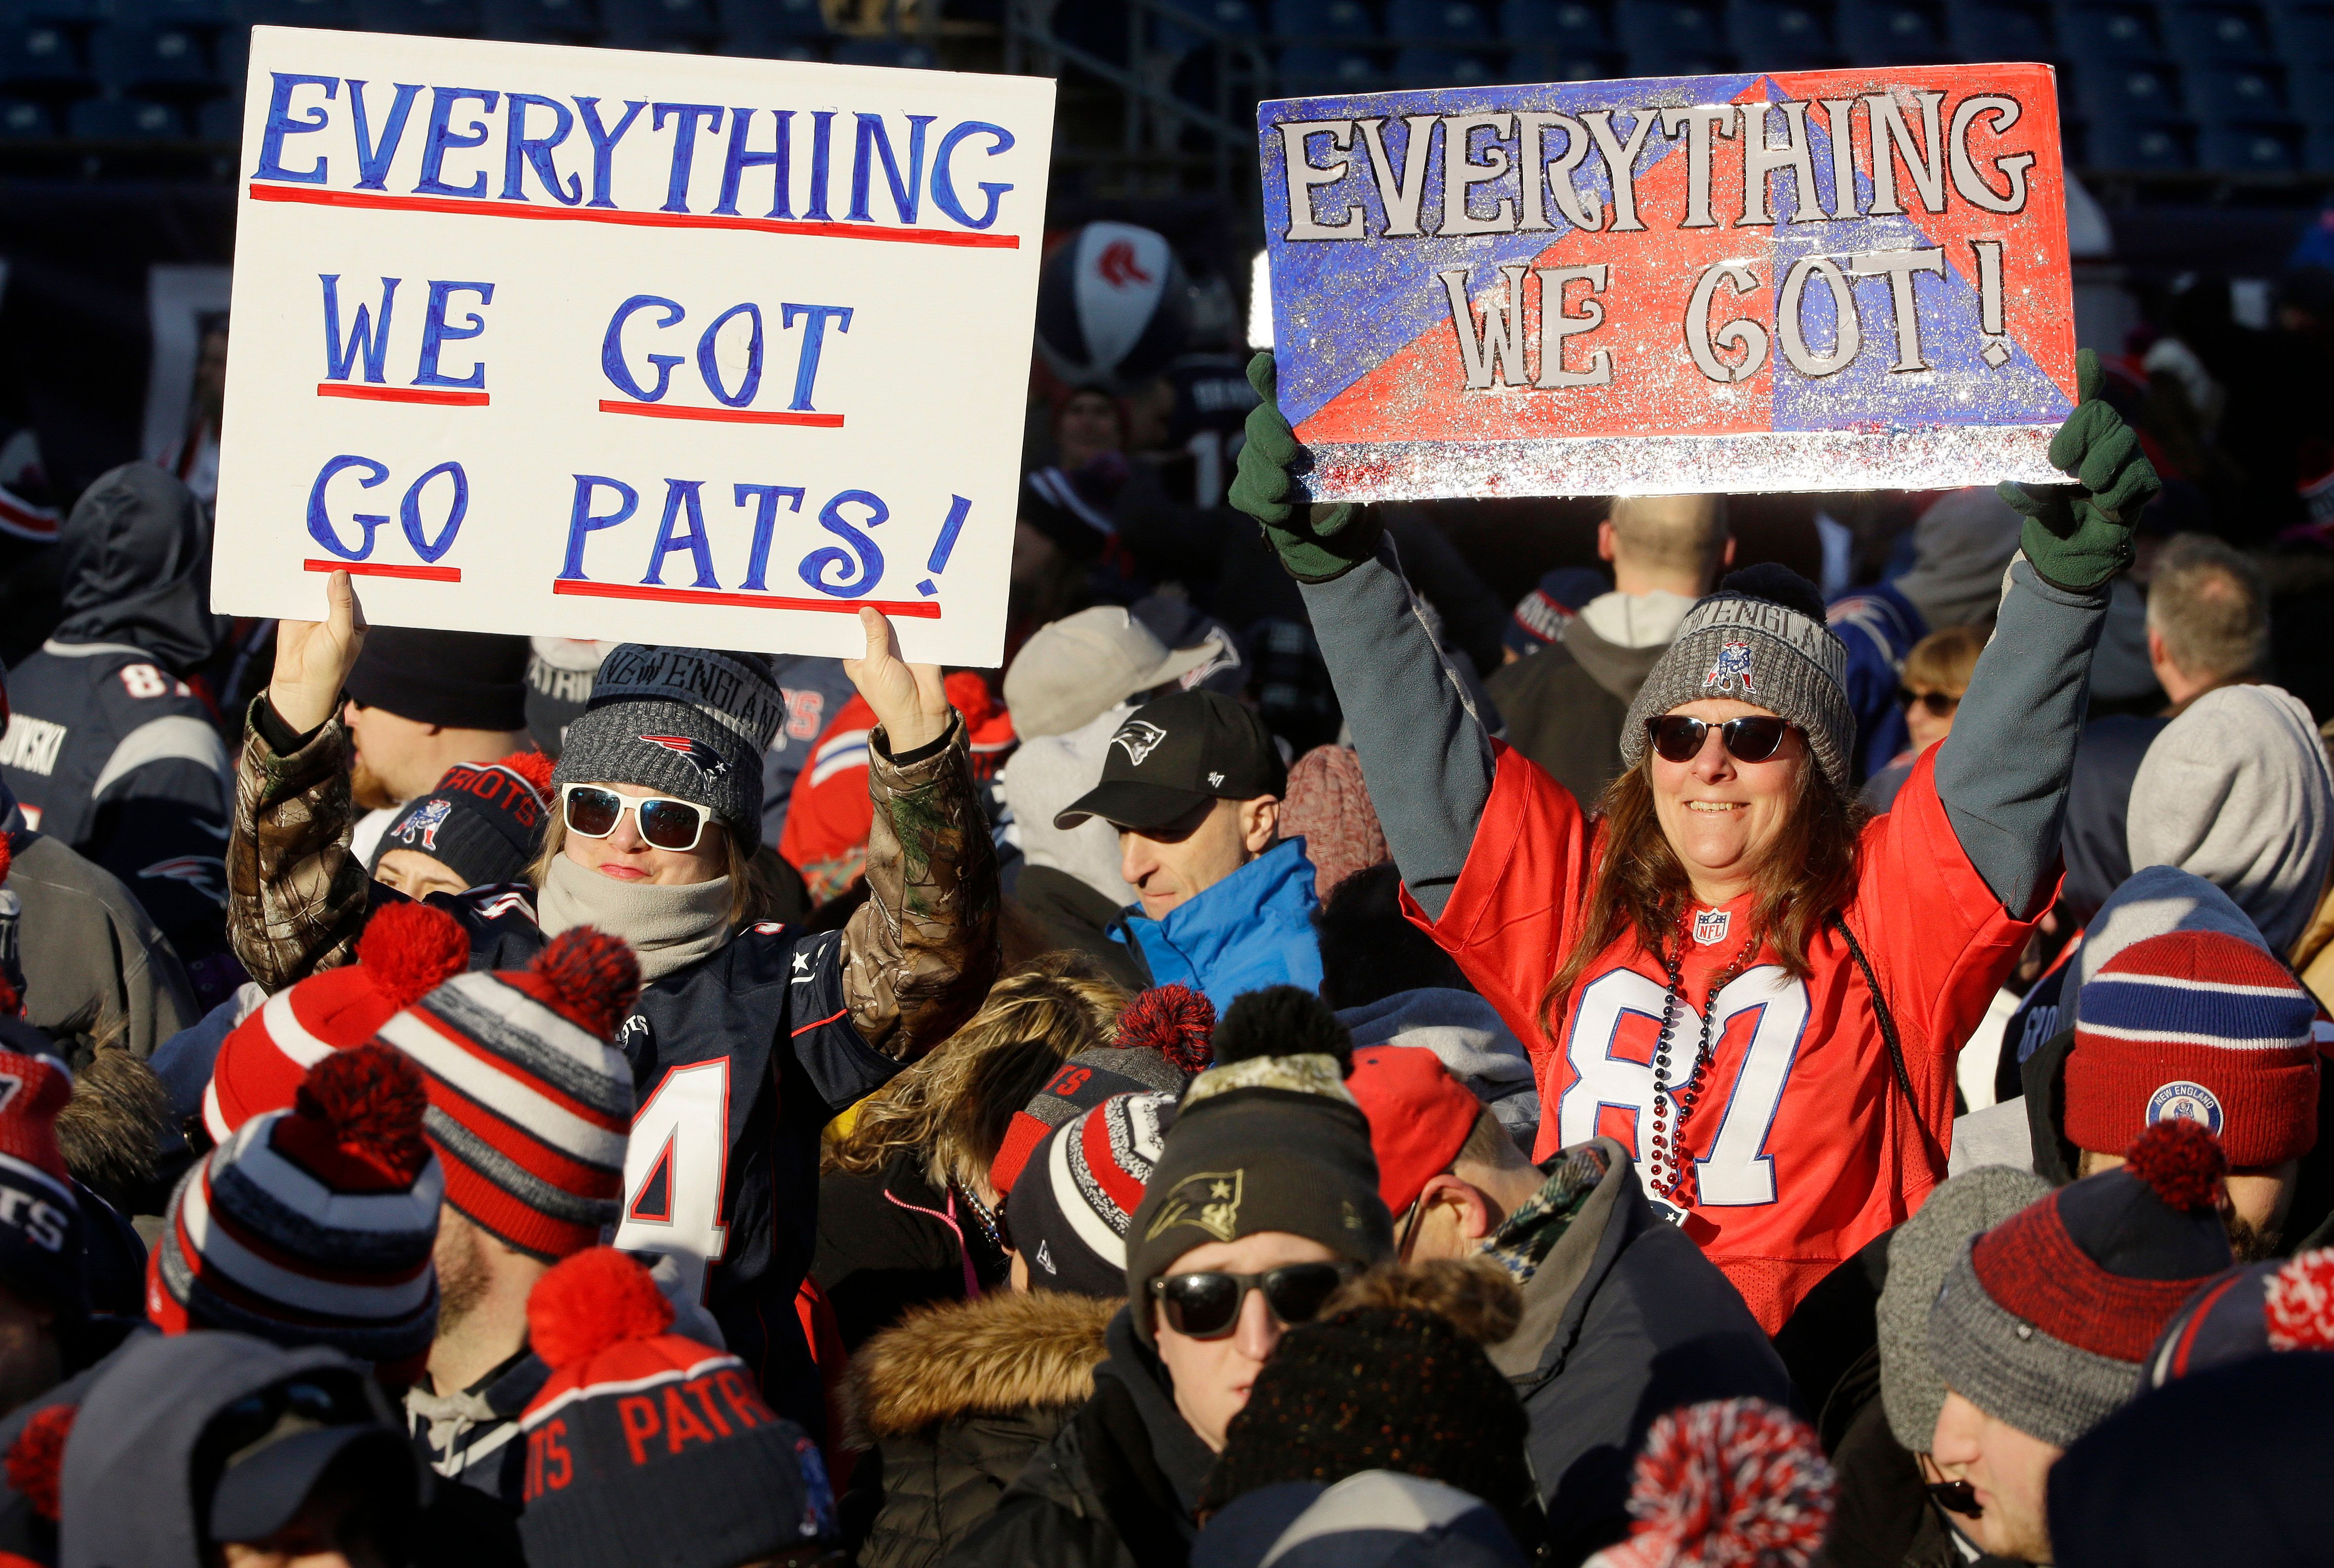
<point x="721" y="415"/>
<point x="371" y="394"/>
<point x="905" y="607"/>
<point x="386" y="569"/>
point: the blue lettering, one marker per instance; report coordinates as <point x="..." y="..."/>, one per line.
<point x="611" y="349"/>
<point x="814" y="341"/>
<point x="710" y="367"/>
<point x="862" y="556"/>
<point x="320" y="525"/>
<point x="367" y="336"/>
<point x="443" y="139"/>
<point x="282" y="123"/>
<point x="944" y="195"/>
<point x="738" y="160"/>
<point x="822" y="129"/>
<point x="905" y="198"/>
<point x="435" y="333"/>
<point x="680" y="499"/>
<point x="603" y="144"/>
<point x="582" y="525"/>
<point x="685" y="117"/>
<point x="523" y="149"/>
<point x="765" y="519"/>
<point x="373" y="157"/>
<point x="409" y="513"/>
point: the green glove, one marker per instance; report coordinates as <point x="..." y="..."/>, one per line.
<point x="1314" y="543"/>
<point x="2078" y="535"/>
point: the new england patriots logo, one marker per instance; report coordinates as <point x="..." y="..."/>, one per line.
<point x="424" y="823"/>
<point x="696" y="753"/>
<point x="206" y="874"/>
<point x="1731" y="667"/>
<point x="1138" y="738"/>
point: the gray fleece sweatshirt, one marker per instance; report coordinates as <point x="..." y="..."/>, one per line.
<point x="2001" y="775"/>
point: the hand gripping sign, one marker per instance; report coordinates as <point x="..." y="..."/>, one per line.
<point x="1800" y="281"/>
<point x="601" y="344"/>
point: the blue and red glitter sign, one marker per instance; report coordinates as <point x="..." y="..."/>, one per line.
<point x="1801" y="281"/>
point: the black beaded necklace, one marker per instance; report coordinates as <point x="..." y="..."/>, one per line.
<point x="1674" y="1102"/>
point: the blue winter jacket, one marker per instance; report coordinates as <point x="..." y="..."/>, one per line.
<point x="1252" y="929"/>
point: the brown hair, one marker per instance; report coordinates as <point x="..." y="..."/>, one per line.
<point x="1944" y="660"/>
<point x="953" y="1105"/>
<point x="1804" y="875"/>
<point x="752" y="890"/>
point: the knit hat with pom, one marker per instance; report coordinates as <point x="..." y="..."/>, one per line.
<point x="1733" y="1481"/>
<point x="406" y="951"/>
<point x="34" y="1467"/>
<point x="2043" y="1320"/>
<point x="312" y="1225"/>
<point x="40" y="1220"/>
<point x="1069" y="1213"/>
<point x="529" y="1104"/>
<point x="2200" y="1025"/>
<point x="1162" y="1042"/>
<point x="2250" y="1311"/>
<point x="644" y="1447"/>
<point x="484" y="820"/>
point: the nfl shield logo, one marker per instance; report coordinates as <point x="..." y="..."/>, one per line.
<point x="1709" y="926"/>
<point x="1730" y="669"/>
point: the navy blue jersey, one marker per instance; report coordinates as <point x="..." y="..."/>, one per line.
<point x="738" y="1060"/>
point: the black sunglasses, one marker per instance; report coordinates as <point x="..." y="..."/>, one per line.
<point x="1207" y="1306"/>
<point x="1956" y="1498"/>
<point x="1750" y="738"/>
<point x="1936" y="702"/>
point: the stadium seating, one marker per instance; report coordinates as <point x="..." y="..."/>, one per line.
<point x="153" y="58"/>
<point x="1670" y="38"/>
<point x="1989" y="32"/>
<point x="432" y="18"/>
<point x="1779" y="36"/>
<point x="1888" y="33"/>
<point x="124" y="119"/>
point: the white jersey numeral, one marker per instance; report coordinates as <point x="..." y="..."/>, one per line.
<point x="1739" y="1171"/>
<point x="675" y="1168"/>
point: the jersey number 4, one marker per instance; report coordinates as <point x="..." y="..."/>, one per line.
<point x="675" y="1168"/>
<point x="1738" y="1170"/>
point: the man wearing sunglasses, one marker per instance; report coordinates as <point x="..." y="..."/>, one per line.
<point x="1758" y="993"/>
<point x="1263" y="1201"/>
<point x="749" y="1036"/>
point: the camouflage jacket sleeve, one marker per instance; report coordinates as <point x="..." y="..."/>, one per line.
<point x="921" y="954"/>
<point x="296" y="896"/>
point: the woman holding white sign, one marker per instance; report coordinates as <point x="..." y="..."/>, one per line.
<point x="748" y="1035"/>
<point x="1758" y="992"/>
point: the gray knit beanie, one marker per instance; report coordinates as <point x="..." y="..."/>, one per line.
<point x="690" y="722"/>
<point x="1920" y="1255"/>
<point x="1761" y="638"/>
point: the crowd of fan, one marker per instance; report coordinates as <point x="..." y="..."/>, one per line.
<point x="472" y="1101"/>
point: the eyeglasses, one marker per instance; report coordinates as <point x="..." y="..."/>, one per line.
<point x="1750" y="738"/>
<point x="1207" y="1306"/>
<point x="665" y="823"/>
<point x="1938" y="703"/>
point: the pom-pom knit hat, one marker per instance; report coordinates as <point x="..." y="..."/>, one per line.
<point x="2044" y="1321"/>
<point x="1761" y="639"/>
<point x="1729" y="1484"/>
<point x="644" y="1447"/>
<point x="406" y="950"/>
<point x="1077" y="1196"/>
<point x="529" y="1104"/>
<point x="2198" y="1026"/>
<point x="312" y="1225"/>
<point x="1082" y="1083"/>
<point x="484" y="821"/>
<point x="2285" y="1305"/>
<point x="690" y="721"/>
<point x="41" y="1230"/>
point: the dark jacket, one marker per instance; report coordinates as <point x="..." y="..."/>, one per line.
<point x="1069" y="914"/>
<point x="1623" y="1320"/>
<point x="96" y="970"/>
<point x="1113" y="1489"/>
<point x="953" y="1402"/>
<point x="2098" y="807"/>
<point x="888" y="1241"/>
<point x="1565" y="704"/>
<point x="109" y="749"/>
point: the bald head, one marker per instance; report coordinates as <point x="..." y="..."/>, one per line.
<point x="1677" y="543"/>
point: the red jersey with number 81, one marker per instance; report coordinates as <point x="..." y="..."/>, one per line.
<point x="1802" y="1144"/>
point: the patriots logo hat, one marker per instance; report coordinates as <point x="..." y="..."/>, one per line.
<point x="696" y="753"/>
<point x="1174" y="754"/>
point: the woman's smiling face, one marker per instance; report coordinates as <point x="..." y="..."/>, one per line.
<point x="1720" y="813"/>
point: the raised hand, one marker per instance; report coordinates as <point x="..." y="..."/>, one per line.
<point x="313" y="658"/>
<point x="910" y="700"/>
<point x="1323" y="542"/>
<point x="2078" y="535"/>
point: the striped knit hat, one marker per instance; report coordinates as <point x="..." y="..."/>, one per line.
<point x="2285" y="1305"/>
<point x="1070" y="1212"/>
<point x="1076" y="1087"/>
<point x="40" y="1220"/>
<point x="406" y="949"/>
<point x="2201" y="1026"/>
<point x="646" y="1446"/>
<point x="2044" y="1321"/>
<point x="529" y="1104"/>
<point x="312" y="1225"/>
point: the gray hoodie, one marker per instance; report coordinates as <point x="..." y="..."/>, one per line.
<point x="1466" y="1035"/>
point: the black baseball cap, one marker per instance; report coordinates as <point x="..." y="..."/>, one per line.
<point x="1172" y="754"/>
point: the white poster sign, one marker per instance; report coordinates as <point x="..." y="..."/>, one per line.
<point x="601" y="344"/>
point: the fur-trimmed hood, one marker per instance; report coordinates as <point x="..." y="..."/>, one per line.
<point x="997" y="1354"/>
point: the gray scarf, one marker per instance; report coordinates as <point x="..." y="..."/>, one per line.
<point x="669" y="927"/>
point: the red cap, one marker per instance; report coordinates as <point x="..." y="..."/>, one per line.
<point x="1420" y="1117"/>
